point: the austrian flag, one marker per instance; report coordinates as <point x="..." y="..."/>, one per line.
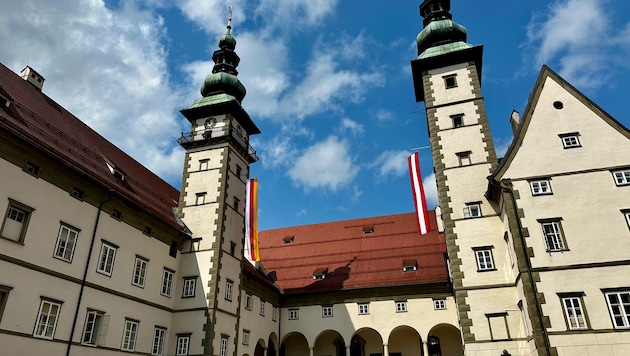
<point x="251" y="221"/>
<point x="419" y="200"/>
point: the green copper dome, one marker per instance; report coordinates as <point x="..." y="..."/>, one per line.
<point x="440" y="33"/>
<point x="222" y="82"/>
<point x="227" y="41"/>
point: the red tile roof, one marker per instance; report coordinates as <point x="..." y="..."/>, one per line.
<point x="44" y="124"/>
<point x="354" y="259"/>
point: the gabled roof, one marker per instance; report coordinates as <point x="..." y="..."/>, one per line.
<point x="354" y="259"/>
<point x="530" y="109"/>
<point x="42" y="123"/>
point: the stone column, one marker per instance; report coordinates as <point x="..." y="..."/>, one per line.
<point x="385" y="350"/>
<point x="310" y="351"/>
<point x="425" y="348"/>
<point x="347" y="350"/>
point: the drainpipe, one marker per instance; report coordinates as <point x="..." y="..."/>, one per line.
<point x="507" y="185"/>
<point x="85" y="272"/>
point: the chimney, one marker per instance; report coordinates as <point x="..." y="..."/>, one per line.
<point x="515" y="122"/>
<point x="30" y="75"/>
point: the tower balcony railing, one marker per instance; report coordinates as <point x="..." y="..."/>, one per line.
<point x="217" y="134"/>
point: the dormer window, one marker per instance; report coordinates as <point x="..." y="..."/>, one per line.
<point x="368" y="230"/>
<point x="115" y="171"/>
<point x="288" y="239"/>
<point x="410" y="265"/>
<point x="570" y="140"/>
<point x="147" y="230"/>
<point x="77" y="193"/>
<point x="320" y="273"/>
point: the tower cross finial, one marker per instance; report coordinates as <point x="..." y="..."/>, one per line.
<point x="229" y="24"/>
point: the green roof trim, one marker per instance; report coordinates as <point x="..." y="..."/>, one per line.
<point x="444" y="49"/>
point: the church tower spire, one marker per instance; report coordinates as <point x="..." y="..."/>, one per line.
<point x="212" y="204"/>
<point x="446" y="76"/>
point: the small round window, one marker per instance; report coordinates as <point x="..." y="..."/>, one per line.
<point x="558" y="105"/>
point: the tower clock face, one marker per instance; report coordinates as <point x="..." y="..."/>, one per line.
<point x="210" y="123"/>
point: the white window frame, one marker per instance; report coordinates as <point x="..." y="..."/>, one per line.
<point x="274" y="314"/>
<point x="203" y="164"/>
<point x="159" y="337"/>
<point x="139" y="272"/>
<point x="248" y="301"/>
<point x="47" y="317"/>
<point x="95" y="326"/>
<point x="472" y="210"/>
<point x="439" y="304"/>
<point x="262" y="307"/>
<point x="464" y="158"/>
<point x="20" y="214"/>
<point x="66" y="242"/>
<point x="626" y="213"/>
<point x="327" y="311"/>
<point x="540" y="187"/>
<point x="229" y="285"/>
<point x="570" y="140"/>
<point x="106" y="259"/>
<point x="224" y="345"/>
<point x="401" y="307"/>
<point x="294" y="314"/>
<point x="200" y="198"/>
<point x="364" y="308"/>
<point x="574" y="313"/>
<point x="618" y="314"/>
<point x="485" y="260"/>
<point x="190" y="285"/>
<point x="554" y="240"/>
<point x="622" y="177"/>
<point x="245" y="337"/>
<point x="167" y="283"/>
<point x="183" y="344"/>
<point x="130" y="335"/>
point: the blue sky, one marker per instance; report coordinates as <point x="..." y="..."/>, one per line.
<point x="328" y="81"/>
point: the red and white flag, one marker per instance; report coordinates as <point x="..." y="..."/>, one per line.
<point x="419" y="200"/>
<point x="251" y="250"/>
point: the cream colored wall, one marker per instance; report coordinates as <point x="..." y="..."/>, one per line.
<point x="382" y="318"/>
<point x="260" y="327"/>
<point x="442" y="95"/>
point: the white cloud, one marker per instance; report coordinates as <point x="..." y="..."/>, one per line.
<point x="326" y="165"/>
<point x="356" y="194"/>
<point x="116" y="83"/>
<point x="392" y="163"/>
<point x="211" y="15"/>
<point x="576" y="35"/>
<point x="384" y="115"/>
<point x="349" y="125"/>
<point x="430" y="191"/>
<point x="287" y="13"/>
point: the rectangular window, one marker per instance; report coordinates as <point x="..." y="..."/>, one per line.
<point x="239" y="170"/>
<point x="167" y="283"/>
<point x="450" y="81"/>
<point x="458" y="120"/>
<point x="464" y="158"/>
<point x="159" y="335"/>
<point x="203" y="164"/>
<point x="31" y="169"/>
<point x="484" y="260"/>
<point x="16" y="221"/>
<point x="439" y="304"/>
<point x="116" y="214"/>
<point x="364" y="309"/>
<point x="540" y="187"/>
<point x="573" y="312"/>
<point x="66" y="240"/>
<point x="139" y="272"/>
<point x="106" y="259"/>
<point x="190" y="284"/>
<point x="274" y="314"/>
<point x="626" y="213"/>
<point x="201" y="199"/>
<point x="4" y="296"/>
<point x="622" y="177"/>
<point x="130" y="335"/>
<point x="228" y="290"/>
<point x="224" y="345"/>
<point x="248" y="302"/>
<point x="327" y="312"/>
<point x="570" y="140"/>
<point x="472" y="210"/>
<point x="401" y="307"/>
<point x="95" y="328"/>
<point x="499" y="330"/>
<point x="262" y="307"/>
<point x="237" y="201"/>
<point x="46" y="322"/>
<point x="552" y="233"/>
<point x="619" y="308"/>
<point x="294" y="314"/>
<point x="77" y="193"/>
<point x="245" y="337"/>
<point x="183" y="341"/>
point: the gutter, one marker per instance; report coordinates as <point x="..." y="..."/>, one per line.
<point x="85" y="272"/>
